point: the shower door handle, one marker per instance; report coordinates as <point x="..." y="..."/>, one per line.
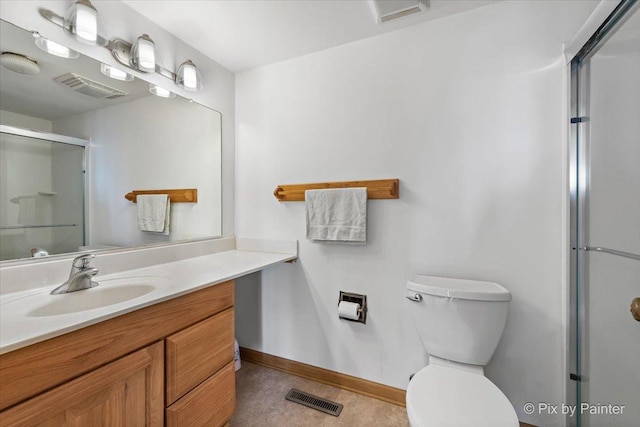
<point x="635" y="308"/>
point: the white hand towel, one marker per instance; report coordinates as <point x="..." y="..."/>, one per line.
<point x="154" y="213"/>
<point x="337" y="215"/>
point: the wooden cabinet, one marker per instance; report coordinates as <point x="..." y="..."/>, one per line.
<point x="113" y="373"/>
<point x="197" y="352"/>
<point x="210" y="404"/>
<point x="127" y="392"/>
<point x="200" y="388"/>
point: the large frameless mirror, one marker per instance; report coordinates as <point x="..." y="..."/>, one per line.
<point x="58" y="195"/>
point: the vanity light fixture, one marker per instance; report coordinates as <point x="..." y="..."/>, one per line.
<point x="188" y="76"/>
<point x="115" y="73"/>
<point x="143" y="54"/>
<point x="83" y="22"/>
<point x="54" y="48"/>
<point x="160" y="91"/>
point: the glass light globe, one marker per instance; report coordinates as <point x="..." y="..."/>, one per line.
<point x="54" y="48"/>
<point x="143" y="54"/>
<point x="115" y="73"/>
<point x="83" y="22"/>
<point x="160" y="91"/>
<point x="188" y="77"/>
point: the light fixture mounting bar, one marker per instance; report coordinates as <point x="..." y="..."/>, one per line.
<point x="120" y="49"/>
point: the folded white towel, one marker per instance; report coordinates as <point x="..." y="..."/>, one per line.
<point x="338" y="215"/>
<point x="154" y="213"/>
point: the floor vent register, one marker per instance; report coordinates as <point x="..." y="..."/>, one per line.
<point x="315" y="402"/>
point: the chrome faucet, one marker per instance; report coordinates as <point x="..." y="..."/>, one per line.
<point x="79" y="277"/>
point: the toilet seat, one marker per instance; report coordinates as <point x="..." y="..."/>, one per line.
<point x="440" y="396"/>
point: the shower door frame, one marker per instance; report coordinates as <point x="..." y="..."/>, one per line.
<point x="86" y="161"/>
<point x="579" y="183"/>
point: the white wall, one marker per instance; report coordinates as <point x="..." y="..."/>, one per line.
<point x="123" y="22"/>
<point x="468" y="112"/>
<point x="179" y="147"/>
<point x="9" y="118"/>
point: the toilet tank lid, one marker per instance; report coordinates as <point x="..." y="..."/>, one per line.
<point x="459" y="288"/>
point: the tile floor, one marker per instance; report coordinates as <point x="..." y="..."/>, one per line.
<point x="261" y="403"/>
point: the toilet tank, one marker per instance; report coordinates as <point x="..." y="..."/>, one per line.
<point x="458" y="320"/>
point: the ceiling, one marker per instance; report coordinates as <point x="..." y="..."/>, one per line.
<point x="242" y="34"/>
<point x="39" y="95"/>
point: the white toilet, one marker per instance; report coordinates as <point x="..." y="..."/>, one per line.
<point x="460" y="323"/>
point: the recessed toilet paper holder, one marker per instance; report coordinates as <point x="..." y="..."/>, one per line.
<point x="357" y="299"/>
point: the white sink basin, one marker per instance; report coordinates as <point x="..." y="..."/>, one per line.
<point x="108" y="292"/>
<point x="90" y="299"/>
<point x="39" y="315"/>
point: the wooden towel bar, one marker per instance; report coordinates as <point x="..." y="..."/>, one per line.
<point x="185" y="195"/>
<point x="376" y="189"/>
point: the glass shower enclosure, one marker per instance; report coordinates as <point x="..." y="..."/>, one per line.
<point x="42" y="193"/>
<point x="605" y="224"/>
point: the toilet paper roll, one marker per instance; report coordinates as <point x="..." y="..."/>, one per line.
<point x="349" y="310"/>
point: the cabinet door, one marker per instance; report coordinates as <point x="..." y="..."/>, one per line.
<point x="127" y="392"/>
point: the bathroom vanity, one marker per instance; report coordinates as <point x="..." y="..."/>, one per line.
<point x="165" y="359"/>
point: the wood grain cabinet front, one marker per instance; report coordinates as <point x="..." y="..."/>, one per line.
<point x="126" y="392"/>
<point x="197" y="352"/>
<point x="210" y="404"/>
<point x="31" y="370"/>
<point x="113" y="373"/>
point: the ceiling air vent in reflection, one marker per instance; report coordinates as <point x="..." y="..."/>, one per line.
<point x="386" y="10"/>
<point x="88" y="87"/>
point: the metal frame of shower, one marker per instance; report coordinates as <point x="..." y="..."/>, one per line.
<point x="62" y="139"/>
<point x="579" y="176"/>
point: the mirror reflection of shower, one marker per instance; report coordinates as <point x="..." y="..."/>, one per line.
<point x="42" y="193"/>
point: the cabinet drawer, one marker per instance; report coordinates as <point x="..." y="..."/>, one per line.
<point x="197" y="352"/>
<point x="210" y="404"/>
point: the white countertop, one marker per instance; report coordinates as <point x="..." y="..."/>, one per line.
<point x="23" y="323"/>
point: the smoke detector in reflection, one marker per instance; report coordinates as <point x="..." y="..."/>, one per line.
<point x="88" y="87"/>
<point x="19" y="63"/>
<point x="386" y="10"/>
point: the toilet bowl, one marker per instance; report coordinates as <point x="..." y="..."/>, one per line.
<point x="460" y="323"/>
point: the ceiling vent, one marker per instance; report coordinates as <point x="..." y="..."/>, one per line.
<point x="88" y="87"/>
<point x="386" y="10"/>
